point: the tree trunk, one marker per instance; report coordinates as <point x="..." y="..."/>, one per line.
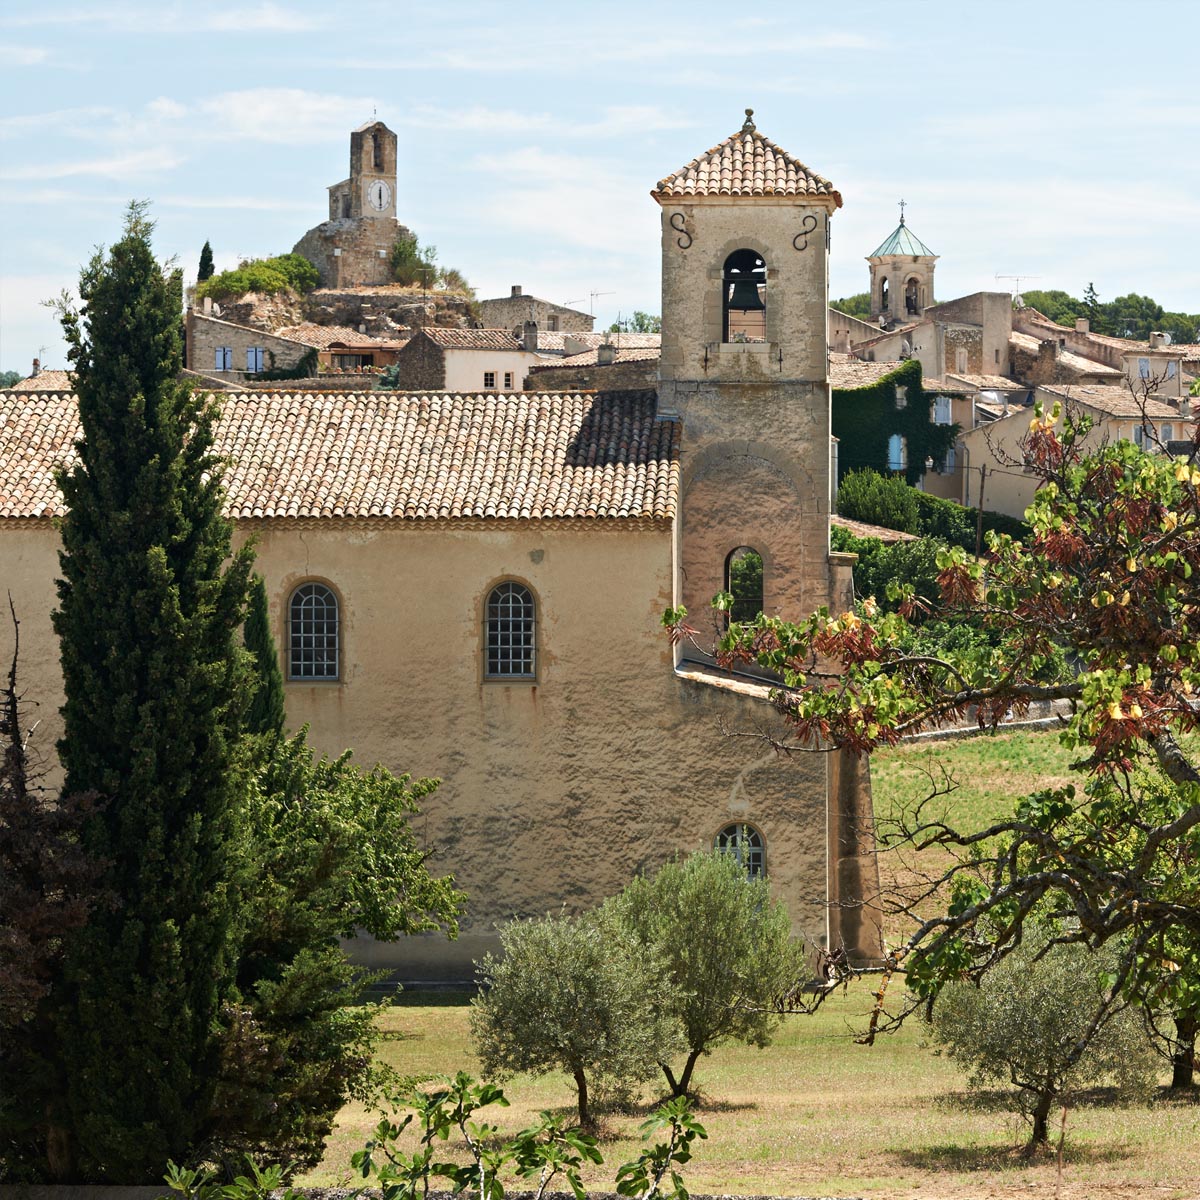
<point x="1041" y="1123"/>
<point x="686" y="1078"/>
<point x="666" y="1070"/>
<point x="585" y="1117"/>
<point x="1183" y="1058"/>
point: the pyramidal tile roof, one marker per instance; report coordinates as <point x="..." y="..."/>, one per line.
<point x="746" y="164"/>
<point x="406" y="456"/>
<point x="902" y="240"/>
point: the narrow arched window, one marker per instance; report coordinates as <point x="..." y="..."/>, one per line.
<point x="509" y="632"/>
<point x="745" y="843"/>
<point x="377" y="146"/>
<point x="883" y="294"/>
<point x="313" y="635"/>
<point x="744" y="581"/>
<point x="744" y="297"/>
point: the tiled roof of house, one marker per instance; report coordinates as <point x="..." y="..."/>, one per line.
<point x="555" y="341"/>
<point x="846" y="371"/>
<point x="389" y="454"/>
<point x="990" y="383"/>
<point x="472" y="339"/>
<point x="321" y="337"/>
<point x="1071" y="361"/>
<point x="746" y="164"/>
<point x="863" y="530"/>
<point x="947" y="387"/>
<point x="45" y="381"/>
<point x="590" y="358"/>
<point x="1113" y="401"/>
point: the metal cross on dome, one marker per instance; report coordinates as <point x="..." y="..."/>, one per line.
<point x="903" y="203"/>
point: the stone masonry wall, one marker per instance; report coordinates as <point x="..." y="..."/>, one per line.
<point x="511" y="312"/>
<point x="205" y="334"/>
<point x="365" y="244"/>
<point x="626" y="376"/>
<point x="421" y="366"/>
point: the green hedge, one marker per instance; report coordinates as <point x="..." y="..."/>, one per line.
<point x="888" y="501"/>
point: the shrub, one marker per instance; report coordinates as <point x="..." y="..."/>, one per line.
<point x="412" y="263"/>
<point x="453" y="280"/>
<point x="1024" y="1024"/>
<point x="570" y="994"/>
<point x="267" y="276"/>
<point x="878" y="500"/>
<point x="726" y="950"/>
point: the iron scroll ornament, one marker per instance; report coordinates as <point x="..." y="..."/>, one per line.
<point x="678" y="222"/>
<point x="807" y="226"/>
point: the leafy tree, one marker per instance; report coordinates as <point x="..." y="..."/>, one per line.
<point x="1024" y="1022"/>
<point x="10" y="378"/>
<point x="1107" y="574"/>
<point x="746" y="583"/>
<point x="726" y="951"/>
<point x="640" y="322"/>
<point x="205" y="270"/>
<point x="1059" y="306"/>
<point x="883" y="570"/>
<point x="571" y="994"/>
<point x="329" y="852"/>
<point x="858" y="305"/>
<point x="268" y="276"/>
<point x="151" y="603"/>
<point x="265" y="714"/>
<point x="877" y="499"/>
<point x="411" y="263"/>
<point x="453" y="280"/>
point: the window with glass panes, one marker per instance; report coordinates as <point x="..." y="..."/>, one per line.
<point x="510" y="646"/>
<point x="313" y="633"/>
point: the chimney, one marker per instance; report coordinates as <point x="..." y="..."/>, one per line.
<point x="1082" y="325"/>
<point x="37" y="368"/>
<point x="1158" y="341"/>
<point x="572" y="345"/>
<point x="529" y="336"/>
<point x="1049" y="350"/>
<point x="208" y="306"/>
<point x="606" y="353"/>
<point x="516" y="289"/>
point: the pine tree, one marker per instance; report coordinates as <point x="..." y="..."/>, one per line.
<point x="265" y="714"/>
<point x="151" y="604"/>
<point x="206" y="268"/>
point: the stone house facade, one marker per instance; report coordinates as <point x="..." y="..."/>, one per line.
<point x="466" y="360"/>
<point x="468" y="585"/>
<point x="512" y="311"/>
<point x="232" y="352"/>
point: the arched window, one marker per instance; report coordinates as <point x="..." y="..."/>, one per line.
<point x="313" y="633"/>
<point x="744" y="297"/>
<point x="509" y="632"/>
<point x="912" y="297"/>
<point x="883" y="294"/>
<point x="744" y="581"/>
<point x="377" y="146"/>
<point x="745" y="843"/>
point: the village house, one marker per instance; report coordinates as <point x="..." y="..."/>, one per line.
<point x="469" y="584"/>
<point x="514" y="310"/>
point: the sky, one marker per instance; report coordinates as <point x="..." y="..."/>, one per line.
<point x="1053" y="141"/>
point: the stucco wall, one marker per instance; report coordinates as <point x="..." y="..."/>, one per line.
<point x="465" y="369"/>
<point x="554" y="792"/>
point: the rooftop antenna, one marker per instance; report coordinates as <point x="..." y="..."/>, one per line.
<point x="568" y="303"/>
<point x="1017" y="290"/>
<point x="592" y="304"/>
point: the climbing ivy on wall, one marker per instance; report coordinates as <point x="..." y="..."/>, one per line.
<point x="863" y="419"/>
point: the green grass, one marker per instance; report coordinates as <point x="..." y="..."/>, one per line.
<point x="815" y="1114"/>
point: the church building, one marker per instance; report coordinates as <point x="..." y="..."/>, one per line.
<point x="470" y="586"/>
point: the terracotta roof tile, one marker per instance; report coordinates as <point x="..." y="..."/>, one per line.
<point x="1068" y="359"/>
<point x="864" y="530"/>
<point x="387" y="454"/>
<point x="472" y="339"/>
<point x="746" y="164"/>
<point x="556" y="341"/>
<point x="1115" y="401"/>
<point x="990" y="383"/>
<point x="44" y="381"/>
<point x="847" y="372"/>
<point x="589" y="358"/>
<point x="321" y="337"/>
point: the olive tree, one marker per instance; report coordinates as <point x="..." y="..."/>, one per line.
<point x="726" y="950"/>
<point x="571" y="994"/>
<point x="1024" y="1024"/>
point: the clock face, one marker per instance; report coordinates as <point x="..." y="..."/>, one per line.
<point x="379" y="195"/>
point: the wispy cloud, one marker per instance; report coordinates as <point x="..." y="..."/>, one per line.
<point x="290" y="116"/>
<point x="137" y="165"/>
<point x="266" y="17"/>
<point x="25" y="56"/>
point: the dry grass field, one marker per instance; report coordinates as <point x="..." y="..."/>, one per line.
<point x="817" y="1115"/>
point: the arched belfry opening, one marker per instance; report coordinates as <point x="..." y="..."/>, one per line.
<point x="744" y="582"/>
<point x="744" y="284"/>
<point x="884" y="298"/>
<point x="912" y="297"/>
<point x="377" y="145"/>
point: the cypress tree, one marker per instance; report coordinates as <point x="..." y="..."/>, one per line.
<point x="206" y="264"/>
<point x="265" y="714"/>
<point x="151" y="604"/>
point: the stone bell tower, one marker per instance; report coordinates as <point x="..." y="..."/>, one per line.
<point x="901" y="276"/>
<point x="745" y="236"/>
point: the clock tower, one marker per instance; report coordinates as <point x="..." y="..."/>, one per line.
<point x="371" y="189"/>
